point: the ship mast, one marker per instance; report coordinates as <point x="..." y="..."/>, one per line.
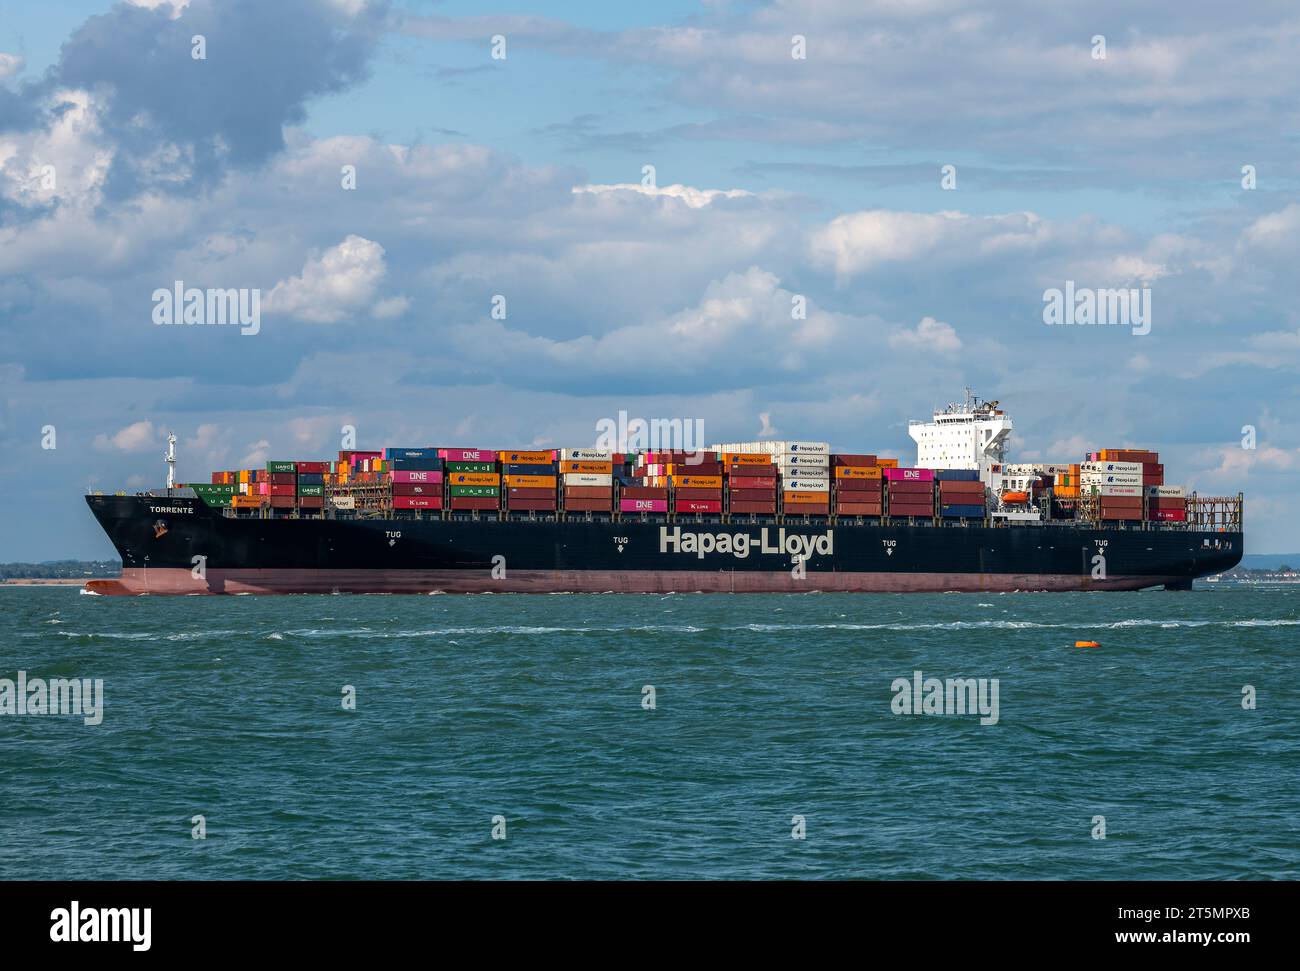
<point x="170" y="458"/>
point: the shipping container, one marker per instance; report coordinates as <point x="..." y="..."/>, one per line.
<point x="704" y="494"/>
<point x="281" y="467"/>
<point x="590" y="479"/>
<point x="745" y="459"/>
<point x="809" y="509"/>
<point x="588" y="492"/>
<point x="911" y="487"/>
<point x="643" y="505"/>
<point x="472" y="467"/>
<point x="475" y="492"/>
<point x="645" y="492"/>
<point x="533" y="457"/>
<point x="843" y="460"/>
<point x="887" y="463"/>
<point x="416" y="489"/>
<point x="311" y="490"/>
<point x="589" y="468"/>
<point x="1167" y="492"/>
<point x="858" y="472"/>
<point x="697" y="481"/>
<point x="311" y="502"/>
<point x="417" y="465"/>
<point x="247" y="502"/>
<point x="577" y="504"/>
<point x="875" y="486"/>
<point x="1169" y="515"/>
<point x="968" y="510"/>
<point x="699" y="505"/>
<point x="468" y="455"/>
<point x="343" y="502"/>
<point x="514" y="468"/>
<point x="283" y="502"/>
<point x="532" y="505"/>
<point x="803" y="497"/>
<point x="283" y="478"/>
<point x="417" y="502"/>
<point x="313" y="468"/>
<point x="843" y="508"/>
<point x="753" y="482"/>
<point x="531" y="481"/>
<point x="393" y="454"/>
<point x="752" y="495"/>
<point x="282" y="490"/>
<point x="474" y="478"/>
<point x="587" y="455"/>
<point x="474" y="502"/>
<point x="909" y="475"/>
<point x="422" y="476"/>
<point x="764" y="507"/>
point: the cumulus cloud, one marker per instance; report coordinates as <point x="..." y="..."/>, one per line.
<point x="929" y="335"/>
<point x="136" y="437"/>
<point x="691" y="196"/>
<point x="10" y="64"/>
<point x="339" y="283"/>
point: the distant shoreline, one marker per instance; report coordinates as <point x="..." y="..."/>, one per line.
<point x="44" y="581"/>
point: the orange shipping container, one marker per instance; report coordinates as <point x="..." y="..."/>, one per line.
<point x="887" y="463"/>
<point x="697" y="481"/>
<point x="803" y="498"/>
<point x="745" y="458"/>
<point x="483" y="478"/>
<point x="858" y="471"/>
<point x="592" y="468"/>
<point x="517" y="481"/>
<point x="527" y="458"/>
<point x="246" y="502"/>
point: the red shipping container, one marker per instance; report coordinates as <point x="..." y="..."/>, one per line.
<point x="907" y="487"/>
<point x="532" y="505"/>
<point x="858" y="460"/>
<point x="1153" y="480"/>
<point x="311" y="502"/>
<point x="1121" y="502"/>
<point x="699" y="506"/>
<point x="529" y="492"/>
<point x="808" y="509"/>
<point x="764" y="508"/>
<point x="753" y="495"/>
<point x="1125" y="513"/>
<point x="283" y="490"/>
<point x="416" y="489"/>
<point x="474" y="502"/>
<point x="588" y="492"/>
<point x="417" y="502"/>
<point x="1169" y="515"/>
<point x="910" y="508"/>
<point x="1167" y="502"/>
<point x="283" y="502"/>
<point x="702" y="494"/>
<point x="857" y="509"/>
<point x="752" y="481"/>
<point x="313" y="467"/>
<point x="860" y="486"/>
<point x="577" y="504"/>
<point x="284" y="478"/>
<point x="643" y="492"/>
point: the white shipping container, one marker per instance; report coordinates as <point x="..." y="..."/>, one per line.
<point x="805" y="472"/>
<point x="343" y="502"/>
<point x="1097" y="478"/>
<point x="586" y="455"/>
<point x="1167" y="491"/>
<point x="803" y="461"/>
<point x="1108" y="467"/>
<point x="776" y="448"/>
<point x="1119" y="490"/>
<point x="806" y="485"/>
<point x="605" y="481"/>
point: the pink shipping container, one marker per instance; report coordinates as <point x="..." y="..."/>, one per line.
<point x="699" y="505"/>
<point x="422" y="477"/>
<point x="467" y="454"/>
<point x="910" y="475"/>
<point x="643" y="505"/>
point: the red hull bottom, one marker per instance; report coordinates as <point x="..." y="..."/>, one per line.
<point x="134" y="582"/>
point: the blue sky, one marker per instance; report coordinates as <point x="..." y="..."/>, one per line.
<point x="776" y="177"/>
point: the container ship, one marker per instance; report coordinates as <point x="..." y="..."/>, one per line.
<point x="740" y="517"/>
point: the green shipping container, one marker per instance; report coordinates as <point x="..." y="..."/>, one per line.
<point x="311" y="490"/>
<point x="482" y="492"/>
<point x="471" y="466"/>
<point x="281" y="467"/>
<point x="205" y="488"/>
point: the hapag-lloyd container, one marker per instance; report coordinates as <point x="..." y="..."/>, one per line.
<point x="423" y="477"/>
<point x="910" y="475"/>
<point x="467" y="454"/>
<point x="534" y="457"/>
<point x="643" y="505"/>
<point x="586" y="455"/>
<point x="1167" y="491"/>
<point x="588" y="479"/>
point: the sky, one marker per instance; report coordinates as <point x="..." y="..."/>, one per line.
<point x="652" y="189"/>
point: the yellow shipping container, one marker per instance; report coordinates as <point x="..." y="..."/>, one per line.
<point x="590" y="468"/>
<point x="243" y="475"/>
<point x="477" y="478"/>
<point x="247" y="502"/>
<point x="697" y="481"/>
<point x="746" y="458"/>
<point x="886" y="463"/>
<point x="858" y="472"/>
<point x="520" y="481"/>
<point x="797" y="498"/>
<point x="526" y="458"/>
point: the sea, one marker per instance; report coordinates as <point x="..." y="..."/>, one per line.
<point x="630" y="737"/>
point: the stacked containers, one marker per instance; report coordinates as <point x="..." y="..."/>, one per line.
<point x="473" y="482"/>
<point x="311" y="484"/>
<point x="961" y="493"/>
<point x="696" y="482"/>
<point x="1167" y="503"/>
<point x="805" y="469"/>
<point x="588" y="479"/>
<point x="530" y="480"/>
<point x="859" y="485"/>
<point x="910" y="492"/>
<point x="752" y="484"/>
<point x="282" y="482"/>
<point x="646" y="489"/>
<point x="1117" y="485"/>
<point x="417" y="477"/>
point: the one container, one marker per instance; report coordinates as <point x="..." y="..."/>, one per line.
<point x="643" y="505"/>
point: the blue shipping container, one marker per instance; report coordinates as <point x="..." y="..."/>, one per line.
<point x="410" y="453"/>
<point x="964" y="511"/>
<point x="957" y="475"/>
<point x="417" y="464"/>
<point x="513" y="468"/>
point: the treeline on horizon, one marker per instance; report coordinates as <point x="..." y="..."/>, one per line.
<point x="60" y="569"/>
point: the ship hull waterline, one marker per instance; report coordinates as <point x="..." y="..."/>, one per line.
<point x="179" y="546"/>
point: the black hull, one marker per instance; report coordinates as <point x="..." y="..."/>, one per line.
<point x="181" y="546"/>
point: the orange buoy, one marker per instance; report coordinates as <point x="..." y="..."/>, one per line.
<point x="1086" y="644"/>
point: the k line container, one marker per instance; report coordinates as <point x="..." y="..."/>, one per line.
<point x="417" y="502"/>
<point x="699" y="506"/>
